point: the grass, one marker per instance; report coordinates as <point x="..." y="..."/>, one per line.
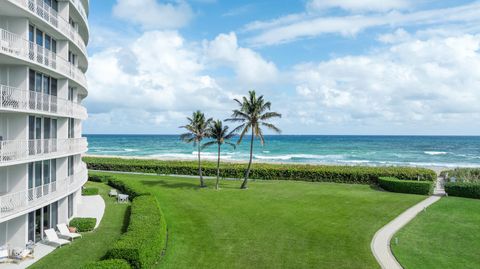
<point x="446" y="236"/>
<point x="274" y="224"/>
<point x="94" y="244"/>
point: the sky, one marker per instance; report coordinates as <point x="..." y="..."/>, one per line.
<point x="349" y="67"/>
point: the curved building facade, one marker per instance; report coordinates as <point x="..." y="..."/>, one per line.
<point x="43" y="60"/>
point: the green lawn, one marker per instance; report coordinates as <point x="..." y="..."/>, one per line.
<point x="446" y="236"/>
<point x="274" y="224"/>
<point x="93" y="245"/>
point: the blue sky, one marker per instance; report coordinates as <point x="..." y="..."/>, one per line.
<point x="329" y="66"/>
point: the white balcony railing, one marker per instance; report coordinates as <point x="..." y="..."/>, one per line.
<point x="29" y="101"/>
<point x="49" y="15"/>
<point x="16" y="46"/>
<point x="26" y="150"/>
<point x="81" y="9"/>
<point x="17" y="202"/>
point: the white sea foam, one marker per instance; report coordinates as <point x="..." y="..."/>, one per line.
<point x="435" y="153"/>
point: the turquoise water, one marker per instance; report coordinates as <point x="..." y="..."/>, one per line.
<point x="351" y="150"/>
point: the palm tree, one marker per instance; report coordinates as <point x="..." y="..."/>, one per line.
<point x="220" y="136"/>
<point x="253" y="114"/>
<point x="197" y="131"/>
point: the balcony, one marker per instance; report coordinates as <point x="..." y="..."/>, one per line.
<point x="14" y="99"/>
<point x="79" y="6"/>
<point x="19" y="151"/>
<point x="14" y="203"/>
<point x="15" y="46"/>
<point x="50" y="16"/>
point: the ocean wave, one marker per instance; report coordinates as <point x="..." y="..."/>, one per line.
<point x="130" y="150"/>
<point x="287" y="157"/>
<point x="434" y="153"/>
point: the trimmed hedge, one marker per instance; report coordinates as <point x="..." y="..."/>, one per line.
<point x="99" y="178"/>
<point x="463" y="189"/>
<point x="319" y="173"/>
<point x="83" y="224"/>
<point x="463" y="174"/>
<point x="108" y="264"/>
<point x="406" y="186"/>
<point x="145" y="238"/>
<point x="89" y="191"/>
<point x="125" y="188"/>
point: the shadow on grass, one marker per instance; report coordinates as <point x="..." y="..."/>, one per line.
<point x="172" y="185"/>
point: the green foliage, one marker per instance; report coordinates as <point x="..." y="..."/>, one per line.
<point x="126" y="188"/>
<point x="108" y="264"/>
<point x="83" y="224"/>
<point x="316" y="173"/>
<point x="463" y="189"/>
<point x="99" y="178"/>
<point x="406" y="186"/>
<point x="463" y="174"/>
<point x="89" y="191"/>
<point x="145" y="238"/>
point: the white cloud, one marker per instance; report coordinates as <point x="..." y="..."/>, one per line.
<point x="152" y="15"/>
<point x="410" y="83"/>
<point x="304" y="25"/>
<point x="249" y="66"/>
<point x="152" y="86"/>
<point x="356" y="5"/>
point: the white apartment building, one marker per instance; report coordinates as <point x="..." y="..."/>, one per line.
<point x="43" y="60"/>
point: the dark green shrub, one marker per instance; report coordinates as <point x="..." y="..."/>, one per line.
<point x="108" y="264"/>
<point x="125" y="188"/>
<point x="99" y="178"/>
<point x="146" y="235"/>
<point x="406" y="186"/>
<point x="83" y="224"/>
<point x="463" y="174"/>
<point x="463" y="189"/>
<point x="318" y="173"/>
<point x="89" y="191"/>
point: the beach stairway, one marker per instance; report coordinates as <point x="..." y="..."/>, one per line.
<point x="439" y="187"/>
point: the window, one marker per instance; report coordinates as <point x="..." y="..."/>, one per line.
<point x="70" y="167"/>
<point x="70" y="205"/>
<point x="54" y="213"/>
<point x="39" y="38"/>
<point x="70" y="93"/>
<point x="31" y="226"/>
<point x="71" y="128"/>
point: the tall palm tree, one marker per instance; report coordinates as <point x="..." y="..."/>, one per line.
<point x="196" y="132"/>
<point x="220" y="136"/>
<point x="253" y="114"/>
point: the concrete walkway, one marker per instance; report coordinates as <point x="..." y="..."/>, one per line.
<point x="91" y="207"/>
<point x="381" y="240"/>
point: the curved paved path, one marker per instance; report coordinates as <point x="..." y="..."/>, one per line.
<point x="91" y="207"/>
<point x="381" y="240"/>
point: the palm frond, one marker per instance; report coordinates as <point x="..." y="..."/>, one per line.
<point x="272" y="127"/>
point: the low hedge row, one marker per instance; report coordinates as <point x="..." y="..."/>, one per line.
<point x="320" y="173"/>
<point x="99" y="178"/>
<point x="108" y="264"/>
<point x="145" y="238"/>
<point x="406" y="186"/>
<point x="463" y="189"/>
<point x="83" y="224"/>
<point x="89" y="191"/>
<point x="463" y="174"/>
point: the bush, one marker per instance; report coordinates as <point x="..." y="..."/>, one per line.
<point x="108" y="264"/>
<point x="89" y="191"/>
<point x="463" y="174"/>
<point x="320" y="173"/>
<point x="83" y="224"/>
<point x="406" y="186"/>
<point x="463" y="189"/>
<point x="99" y="178"/>
<point x="146" y="235"/>
<point x="125" y="188"/>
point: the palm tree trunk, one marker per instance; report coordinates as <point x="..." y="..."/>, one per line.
<point x="218" y="168"/>
<point x="247" y="173"/>
<point x="202" y="184"/>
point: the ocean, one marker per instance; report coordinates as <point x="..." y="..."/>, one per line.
<point x="441" y="151"/>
